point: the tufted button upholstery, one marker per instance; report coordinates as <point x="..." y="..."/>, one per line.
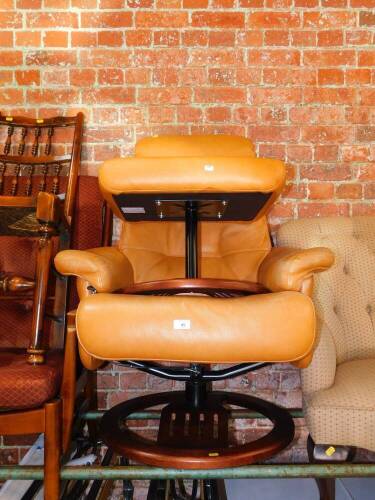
<point x="344" y="356"/>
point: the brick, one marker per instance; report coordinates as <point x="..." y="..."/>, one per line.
<point x="250" y="38"/>
<point x="55" y="39"/>
<point x="9" y="96"/>
<point x="218" y="19"/>
<point x="160" y="57"/>
<point x="275" y="96"/>
<point x="138" y="38"/>
<point x="246" y="114"/>
<point x="162" y="114"/>
<point x="195" y="4"/>
<point x="366" y="58"/>
<point x="219" y="57"/>
<point x="329" y="57"/>
<point x="355" y="153"/>
<point x="367" y="19"/>
<point x="330" y="76"/>
<point x="49" y="19"/>
<point x="329" y="96"/>
<point x="326" y="152"/>
<point x="10" y="58"/>
<point x="324" y="134"/>
<point x="334" y="172"/>
<point x="367" y="97"/>
<point x="166" y="38"/>
<point x="161" y="19"/>
<point x="196" y="38"/>
<point x="10" y="20"/>
<point x="29" y="4"/>
<point x="276" y="37"/>
<point x="271" y="20"/>
<point x="51" y="58"/>
<point x="218" y="76"/>
<point x="56" y="4"/>
<point x="329" y="19"/>
<point x="165" y="77"/>
<point x="28" y="77"/>
<point x="164" y="95"/>
<point x="330" y="38"/>
<point x="221" y="39"/>
<point x="105" y="58"/>
<point x="6" y="39"/>
<point x="218" y="114"/>
<point x="358" y="37"/>
<point x="349" y="191"/>
<point x="276" y="57"/>
<point x="189" y="114"/>
<point x="296" y="152"/>
<point x="137" y="76"/>
<point x="116" y="19"/>
<point x="82" y="77"/>
<point x="365" y="134"/>
<point x="110" y="38"/>
<point x="303" y="38"/>
<point x="323" y="209"/>
<point x="108" y="95"/>
<point x="6" y="77"/>
<point x="84" y="39"/>
<point x="321" y="190"/>
<point x="220" y="94"/>
<point x="112" y="76"/>
<point x="272" y="133"/>
<point x="28" y="38"/>
<point x="358" y="77"/>
<point x="60" y="96"/>
<point x="289" y="76"/>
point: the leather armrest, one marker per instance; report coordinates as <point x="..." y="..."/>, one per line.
<point x="106" y="269"/>
<point x="293" y="269"/>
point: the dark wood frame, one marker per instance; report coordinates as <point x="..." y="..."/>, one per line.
<point x="54" y="418"/>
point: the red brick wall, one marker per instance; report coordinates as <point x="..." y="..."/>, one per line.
<point x="295" y="76"/>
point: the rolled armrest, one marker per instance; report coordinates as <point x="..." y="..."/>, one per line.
<point x="106" y="269"/>
<point x="290" y="269"/>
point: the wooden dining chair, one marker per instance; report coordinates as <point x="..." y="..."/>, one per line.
<point x="40" y="202"/>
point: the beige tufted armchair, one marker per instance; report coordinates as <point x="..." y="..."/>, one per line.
<point x="339" y="385"/>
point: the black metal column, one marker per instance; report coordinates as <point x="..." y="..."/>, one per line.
<point x="191" y="240"/>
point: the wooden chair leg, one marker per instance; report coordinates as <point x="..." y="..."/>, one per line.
<point x="52" y="450"/>
<point x="326" y="487"/>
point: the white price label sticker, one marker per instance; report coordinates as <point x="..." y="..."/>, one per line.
<point x="181" y="324"/>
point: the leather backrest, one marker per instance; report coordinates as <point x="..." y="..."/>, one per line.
<point x="345" y="294"/>
<point x="228" y="250"/>
<point x="232" y="250"/>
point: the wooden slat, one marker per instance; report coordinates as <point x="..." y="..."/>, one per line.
<point x="19" y="121"/>
<point x="17" y="201"/>
<point x="30" y="160"/>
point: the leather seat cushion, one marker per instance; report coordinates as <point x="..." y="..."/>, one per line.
<point x="344" y="414"/>
<point x="28" y="386"/>
<point x="276" y="327"/>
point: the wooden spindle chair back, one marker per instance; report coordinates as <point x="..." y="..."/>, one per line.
<point x="36" y="155"/>
<point x="39" y="163"/>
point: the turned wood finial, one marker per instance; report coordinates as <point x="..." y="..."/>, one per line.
<point x="35" y="146"/>
<point x="22" y="145"/>
<point x="15" y="284"/>
<point x="8" y="142"/>
<point x="47" y="149"/>
<point x="17" y="171"/>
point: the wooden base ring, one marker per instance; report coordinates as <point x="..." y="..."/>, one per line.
<point x="192" y="438"/>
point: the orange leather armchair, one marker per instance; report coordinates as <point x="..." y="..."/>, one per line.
<point x="194" y="233"/>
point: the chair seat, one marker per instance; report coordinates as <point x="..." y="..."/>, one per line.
<point x="27" y="386"/>
<point x="344" y="414"/>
